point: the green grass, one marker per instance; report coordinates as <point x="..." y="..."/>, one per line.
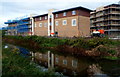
<point x="83" y="43"/>
<point x="15" y="65"/>
<point x="111" y="58"/>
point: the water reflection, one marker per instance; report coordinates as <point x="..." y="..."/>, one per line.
<point x="67" y="65"/>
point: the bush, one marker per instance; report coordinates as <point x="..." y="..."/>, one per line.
<point x="86" y="43"/>
<point x="113" y="52"/>
<point x="102" y="49"/>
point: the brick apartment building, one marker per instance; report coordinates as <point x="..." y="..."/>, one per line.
<point x="64" y="23"/>
<point x="107" y="18"/>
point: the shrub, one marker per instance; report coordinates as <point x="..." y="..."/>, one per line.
<point x="86" y="43"/>
<point x="102" y="49"/>
<point x="113" y="52"/>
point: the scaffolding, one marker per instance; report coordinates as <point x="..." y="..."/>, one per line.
<point x="22" y="26"/>
<point x="111" y="20"/>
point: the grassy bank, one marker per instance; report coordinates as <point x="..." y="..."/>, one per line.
<point x="79" y="42"/>
<point x="104" y="46"/>
<point x="15" y="65"/>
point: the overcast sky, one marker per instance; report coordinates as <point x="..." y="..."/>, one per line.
<point x="11" y="9"/>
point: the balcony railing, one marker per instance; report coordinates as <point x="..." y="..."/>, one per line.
<point x="23" y="30"/>
<point x="98" y="15"/>
<point x="112" y="30"/>
<point x="115" y="18"/>
<point x="113" y="24"/>
<point x="23" y="23"/>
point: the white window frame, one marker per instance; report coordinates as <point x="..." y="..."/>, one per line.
<point x="73" y="12"/>
<point x="40" y="18"/>
<point x="64" y="21"/>
<point x="65" y="62"/>
<point x="74" y="63"/>
<point x="50" y="23"/>
<point x="56" y="23"/>
<point x="73" y="21"/>
<point x="64" y="13"/>
<point x="40" y="24"/>
<point x="56" y="15"/>
<point x="45" y="17"/>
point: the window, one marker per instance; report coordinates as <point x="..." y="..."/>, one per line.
<point x="56" y="23"/>
<point x="74" y="63"/>
<point x="40" y="25"/>
<point x="45" y="17"/>
<point x="45" y="24"/>
<point x="65" y="62"/>
<point x="64" y="22"/>
<point x="50" y="16"/>
<point x="40" y="18"/>
<point x="50" y="23"/>
<point x="64" y="14"/>
<point x="35" y="25"/>
<point x="56" y="60"/>
<point x="73" y="22"/>
<point x="73" y="12"/>
<point x="56" y="15"/>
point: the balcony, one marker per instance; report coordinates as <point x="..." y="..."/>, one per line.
<point x="22" y="26"/>
<point x="113" y="30"/>
<point x="11" y="22"/>
<point x="23" y="30"/>
<point x="115" y="18"/>
<point x="99" y="15"/>
<point x="113" y="12"/>
<point x="23" y="23"/>
<point x="92" y="17"/>
<point x="100" y="20"/>
<point x="113" y="24"/>
<point x="11" y="28"/>
<point x="115" y="7"/>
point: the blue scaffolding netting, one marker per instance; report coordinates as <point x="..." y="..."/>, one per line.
<point x="22" y="28"/>
<point x="22" y="25"/>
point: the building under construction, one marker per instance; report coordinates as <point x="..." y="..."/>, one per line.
<point x="71" y="22"/>
<point x="19" y="27"/>
<point x="107" y="18"/>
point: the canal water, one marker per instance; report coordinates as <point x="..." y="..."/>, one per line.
<point x="64" y="64"/>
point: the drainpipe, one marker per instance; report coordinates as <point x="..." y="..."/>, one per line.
<point x="32" y="56"/>
<point x="32" y="21"/>
<point x="50" y="20"/>
<point x="52" y="60"/>
<point x="48" y="24"/>
<point x="52" y="31"/>
<point x="78" y="23"/>
<point x="48" y="59"/>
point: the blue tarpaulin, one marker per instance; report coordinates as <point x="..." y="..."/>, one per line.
<point x="22" y="25"/>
